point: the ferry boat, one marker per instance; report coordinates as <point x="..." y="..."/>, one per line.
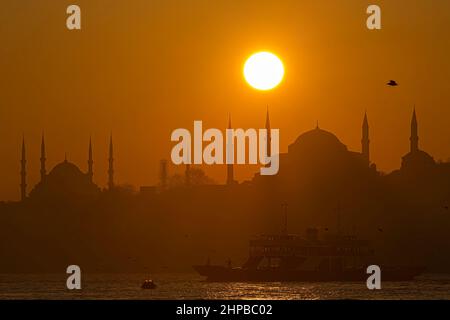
<point x="289" y="257"/>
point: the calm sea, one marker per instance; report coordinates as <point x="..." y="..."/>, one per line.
<point x="190" y="286"/>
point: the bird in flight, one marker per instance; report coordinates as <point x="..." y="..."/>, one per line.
<point x="392" y="83"/>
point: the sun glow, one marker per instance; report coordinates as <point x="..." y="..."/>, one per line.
<point x="263" y="71"/>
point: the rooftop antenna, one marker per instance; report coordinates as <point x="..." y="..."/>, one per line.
<point x="284" y="205"/>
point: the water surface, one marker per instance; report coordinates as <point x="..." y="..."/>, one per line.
<point x="191" y="286"/>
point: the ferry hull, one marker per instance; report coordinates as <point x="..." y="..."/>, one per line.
<point x="224" y="274"/>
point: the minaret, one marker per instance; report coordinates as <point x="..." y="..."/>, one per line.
<point x="90" y="162"/>
<point x="365" y="142"/>
<point x="43" y="158"/>
<point x="111" y="167"/>
<point x="414" y="139"/>
<point x="230" y="168"/>
<point x="269" y="136"/>
<point x="23" y="173"/>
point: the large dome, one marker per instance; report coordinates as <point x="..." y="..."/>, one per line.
<point x="65" y="180"/>
<point x="317" y="139"/>
<point x="417" y="160"/>
<point x="65" y="169"/>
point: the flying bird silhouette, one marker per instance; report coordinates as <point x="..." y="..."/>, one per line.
<point x="392" y="83"/>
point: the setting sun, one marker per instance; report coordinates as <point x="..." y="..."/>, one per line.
<point x="263" y="71"/>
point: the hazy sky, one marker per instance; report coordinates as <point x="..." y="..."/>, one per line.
<point x="143" y="68"/>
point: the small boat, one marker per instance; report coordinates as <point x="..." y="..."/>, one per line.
<point x="148" y="284"/>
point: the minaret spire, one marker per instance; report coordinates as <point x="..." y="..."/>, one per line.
<point x="43" y="159"/>
<point x="414" y="139"/>
<point x="23" y="173"/>
<point x="111" y="165"/>
<point x="230" y="168"/>
<point x="90" y="161"/>
<point x="269" y="136"/>
<point x="365" y="141"/>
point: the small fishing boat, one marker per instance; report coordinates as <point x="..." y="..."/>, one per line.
<point x="148" y="284"/>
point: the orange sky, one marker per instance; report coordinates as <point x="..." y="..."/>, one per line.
<point x="144" y="68"/>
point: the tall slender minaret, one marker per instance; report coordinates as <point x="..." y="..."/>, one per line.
<point x="269" y="136"/>
<point x="90" y="162"/>
<point x="365" y="142"/>
<point x="23" y="173"/>
<point x="230" y="167"/>
<point x="43" y="159"/>
<point x="111" y="165"/>
<point x="414" y="139"/>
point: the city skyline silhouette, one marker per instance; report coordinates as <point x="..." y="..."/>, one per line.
<point x="317" y="175"/>
<point x="121" y="74"/>
<point x="90" y="114"/>
<point x="230" y="177"/>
